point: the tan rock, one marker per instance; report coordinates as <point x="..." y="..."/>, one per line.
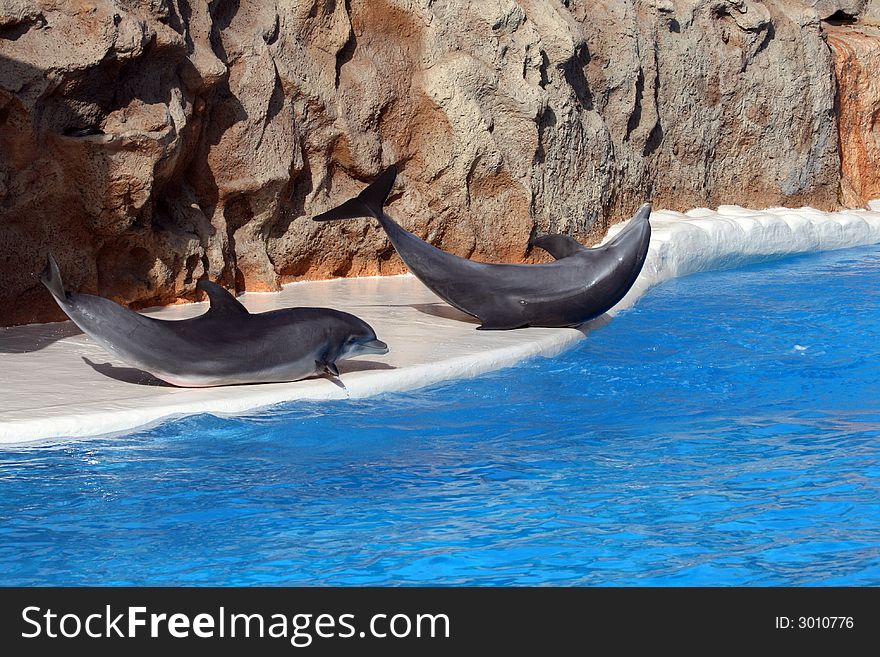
<point x="857" y="61"/>
<point x="840" y="9"/>
<point x="148" y="144"/>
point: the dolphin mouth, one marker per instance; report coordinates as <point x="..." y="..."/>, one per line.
<point x="374" y="347"/>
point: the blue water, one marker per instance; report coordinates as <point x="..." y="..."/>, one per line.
<point x="726" y="430"/>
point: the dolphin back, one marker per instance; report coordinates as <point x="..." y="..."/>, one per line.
<point x="579" y="285"/>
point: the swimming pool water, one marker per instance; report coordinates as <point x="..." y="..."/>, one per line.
<point x="726" y="430"/>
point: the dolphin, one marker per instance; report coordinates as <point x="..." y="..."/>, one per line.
<point x="579" y="285"/>
<point x="227" y="345"/>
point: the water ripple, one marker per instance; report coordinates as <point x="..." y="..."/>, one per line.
<point x="723" y="431"/>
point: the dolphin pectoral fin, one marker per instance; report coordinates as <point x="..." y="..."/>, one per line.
<point x="222" y="301"/>
<point x="330" y="372"/>
<point x="329" y="369"/>
<point x="368" y="203"/>
<point x="559" y="246"/>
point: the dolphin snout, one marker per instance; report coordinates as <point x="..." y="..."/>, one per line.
<point x="374" y="347"/>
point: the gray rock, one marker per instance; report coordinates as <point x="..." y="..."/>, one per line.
<point x="828" y="8"/>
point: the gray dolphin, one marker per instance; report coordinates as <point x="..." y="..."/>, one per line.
<point x="579" y="285"/>
<point x="226" y="345"/>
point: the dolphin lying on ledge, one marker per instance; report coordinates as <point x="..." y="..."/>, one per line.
<point x="226" y="345"/>
<point x="580" y="285"/>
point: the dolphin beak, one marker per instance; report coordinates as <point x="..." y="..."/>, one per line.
<point x="374" y="347"/>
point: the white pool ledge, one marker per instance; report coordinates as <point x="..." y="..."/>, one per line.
<point x="49" y="391"/>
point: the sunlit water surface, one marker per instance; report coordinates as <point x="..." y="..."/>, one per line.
<point x="726" y="430"/>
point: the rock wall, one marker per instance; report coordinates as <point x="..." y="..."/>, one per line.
<point x="149" y="144"/>
<point x="856" y="51"/>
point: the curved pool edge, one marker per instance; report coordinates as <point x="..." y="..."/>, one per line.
<point x="430" y="344"/>
<point x="94" y="422"/>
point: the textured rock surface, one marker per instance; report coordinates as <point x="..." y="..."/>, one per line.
<point x="148" y="144"/>
<point x="857" y="59"/>
<point x="840" y="9"/>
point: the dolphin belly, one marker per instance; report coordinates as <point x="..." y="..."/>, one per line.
<point x="230" y="374"/>
<point x="191" y="353"/>
<point x="566" y="292"/>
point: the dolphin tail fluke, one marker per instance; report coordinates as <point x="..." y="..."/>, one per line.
<point x="51" y="278"/>
<point x="368" y="203"/>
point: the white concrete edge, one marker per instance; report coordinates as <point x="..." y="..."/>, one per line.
<point x="681" y="244"/>
<point x="358" y="385"/>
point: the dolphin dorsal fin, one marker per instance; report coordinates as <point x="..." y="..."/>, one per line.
<point x="221" y="299"/>
<point x="559" y="246"/>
